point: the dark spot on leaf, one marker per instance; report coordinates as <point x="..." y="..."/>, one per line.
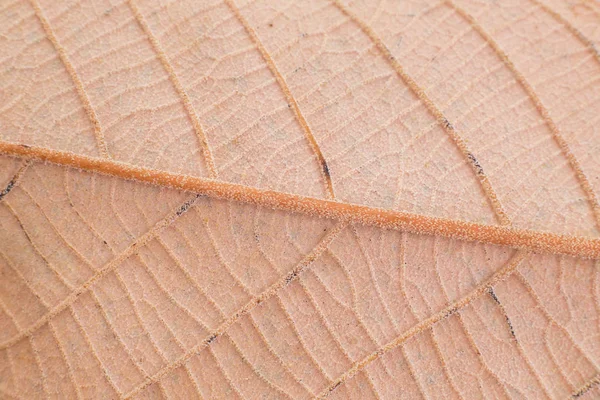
<point x="7" y="189"/>
<point x="447" y="124"/>
<point x="508" y="322"/>
<point x="291" y="277"/>
<point x="185" y="206"/>
<point x="211" y="339"/>
<point x="478" y="166"/>
<point x="493" y="295"/>
<point x="325" y="169"/>
<point x="450" y="311"/>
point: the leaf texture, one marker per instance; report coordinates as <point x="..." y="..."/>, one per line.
<point x="278" y="199"/>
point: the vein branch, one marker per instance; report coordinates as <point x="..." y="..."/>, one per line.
<point x="106" y="269"/>
<point x="433" y="110"/>
<point x="557" y="16"/>
<point x="62" y="54"/>
<point x="187" y="103"/>
<point x="504" y="219"/>
<point x="593" y="382"/>
<point x="542" y="110"/>
<point x="531" y="240"/>
<point x="14" y="181"/>
<point x="292" y="103"/>
<point x="254" y="302"/>
<point x="425" y="324"/>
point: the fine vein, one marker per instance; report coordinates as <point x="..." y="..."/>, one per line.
<point x="542" y="110"/>
<point x="292" y="103"/>
<point x="62" y="54"/>
<point x="187" y="103"/>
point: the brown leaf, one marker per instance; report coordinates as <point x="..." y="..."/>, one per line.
<point x="279" y="199"/>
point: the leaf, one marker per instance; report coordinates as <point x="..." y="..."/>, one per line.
<point x="278" y="199"/>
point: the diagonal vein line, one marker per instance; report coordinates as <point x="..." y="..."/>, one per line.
<point x="187" y="104"/>
<point x="455" y="307"/>
<point x="539" y="241"/>
<point x="542" y="110"/>
<point x="500" y="275"/>
<point x="254" y="302"/>
<point x="570" y="27"/>
<point x="62" y="54"/>
<point x="292" y="103"/>
<point x="594" y="381"/>
<point x="547" y="120"/>
<point x="104" y="152"/>
<point x="520" y="256"/>
<point x="487" y="187"/>
<point x="575" y="165"/>
<point x="74" y="295"/>
<point x="316" y="149"/>
<point x="14" y="181"/>
<point x="433" y="109"/>
<point x="559" y="140"/>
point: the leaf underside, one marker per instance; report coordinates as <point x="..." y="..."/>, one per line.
<point x="122" y="285"/>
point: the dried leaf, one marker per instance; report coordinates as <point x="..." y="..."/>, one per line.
<point x="279" y="199"/>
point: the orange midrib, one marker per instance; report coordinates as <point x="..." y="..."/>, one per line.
<point x="538" y="241"/>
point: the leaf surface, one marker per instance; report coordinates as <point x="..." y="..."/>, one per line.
<point x="274" y="199"/>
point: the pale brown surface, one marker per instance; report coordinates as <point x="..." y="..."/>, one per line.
<point x="472" y="113"/>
